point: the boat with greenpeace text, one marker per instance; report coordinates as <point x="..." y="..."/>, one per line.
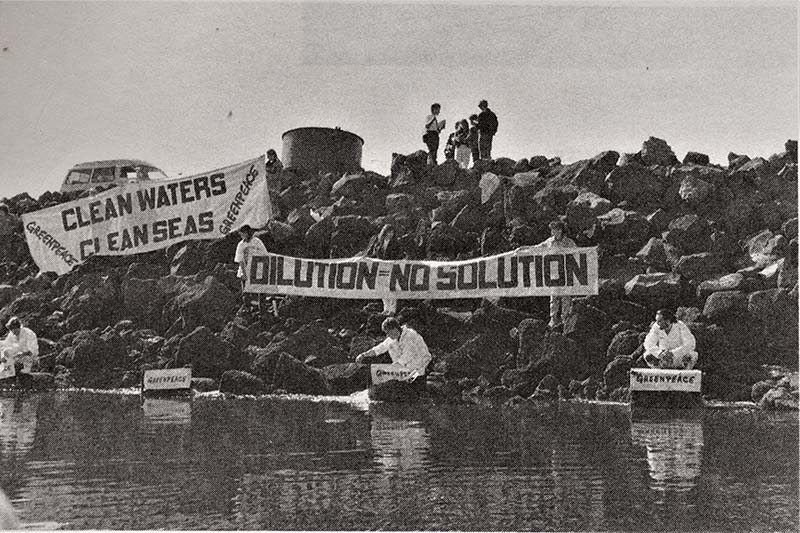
<point x="666" y="388"/>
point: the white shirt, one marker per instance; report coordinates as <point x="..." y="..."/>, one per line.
<point x="246" y="250"/>
<point x="679" y="340"/>
<point x="432" y="123"/>
<point x="409" y="350"/>
<point x="564" y="242"/>
<point x="14" y="345"/>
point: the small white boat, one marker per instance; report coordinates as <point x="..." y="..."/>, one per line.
<point x="662" y="388"/>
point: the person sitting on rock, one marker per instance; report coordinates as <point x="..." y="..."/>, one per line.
<point x="406" y="347"/>
<point x="560" y="306"/>
<point x="19" y="350"/>
<point x="248" y="247"/>
<point x="669" y="343"/>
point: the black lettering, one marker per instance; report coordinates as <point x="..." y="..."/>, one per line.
<point x="111" y="211"/>
<point x="94" y="212"/>
<point x="173" y="192"/>
<point x="501" y="273"/>
<point x="332" y="275"/>
<point x="526" y="261"/>
<point x="68" y="226"/>
<point x="186" y="192"/>
<point x="576" y="269"/>
<point x="174" y="227"/>
<point x="340" y="276"/>
<point x="462" y="283"/>
<point x="367" y="272"/>
<point x="191" y="226"/>
<point x="127" y="242"/>
<point x="206" y="222"/>
<point x="218" y="184"/>
<point x="259" y="269"/>
<point x="83" y="246"/>
<point x="163" y="197"/>
<point x="417" y="285"/>
<point x="560" y="280"/>
<point x="321" y="267"/>
<point x="147" y="198"/>
<point x="201" y="186"/>
<point x="446" y="278"/>
<point x="140" y="235"/>
<point x="124" y="204"/>
<point x="160" y="231"/>
<point x="399" y="277"/>
<point x="273" y="269"/>
<point x="111" y="238"/>
<point x="309" y="279"/>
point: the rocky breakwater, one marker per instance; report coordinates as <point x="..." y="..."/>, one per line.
<point x="717" y="243"/>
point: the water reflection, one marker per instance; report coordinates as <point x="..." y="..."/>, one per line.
<point x="167" y="411"/>
<point x="674" y="451"/>
<point x="398" y="437"/>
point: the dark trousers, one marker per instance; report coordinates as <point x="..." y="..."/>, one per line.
<point x="432" y="142"/>
<point x="247" y="299"/>
<point x="485" y="145"/>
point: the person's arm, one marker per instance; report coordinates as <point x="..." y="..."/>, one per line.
<point x="430" y="120"/>
<point x="651" y="342"/>
<point x="32" y="343"/>
<point x="383" y="347"/>
<point x="688" y="341"/>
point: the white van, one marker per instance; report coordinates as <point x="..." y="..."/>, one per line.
<point x="101" y="174"/>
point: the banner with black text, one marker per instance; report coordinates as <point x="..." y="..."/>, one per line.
<point x="145" y="216"/>
<point x="529" y="271"/>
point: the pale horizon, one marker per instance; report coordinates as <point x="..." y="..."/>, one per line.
<point x="195" y="86"/>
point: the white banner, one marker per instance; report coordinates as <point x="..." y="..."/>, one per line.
<point x="388" y="372"/>
<point x="145" y="216"/>
<point x="654" y="379"/>
<point x="530" y="271"/>
<point x="168" y="379"/>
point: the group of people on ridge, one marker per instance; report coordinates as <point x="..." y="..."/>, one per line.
<point x="471" y="138"/>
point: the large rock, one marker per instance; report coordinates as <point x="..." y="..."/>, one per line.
<point x="350" y="185"/>
<point x="655" y="290"/>
<point x="657" y="254"/>
<point x="205" y="352"/>
<point x="722" y="306"/>
<point x="695" y="158"/>
<point x="728" y="282"/>
<point x="346" y="378"/>
<point x="656" y="151"/>
<point x="765" y="248"/>
<point x="690" y="234"/>
<point x="624" y="343"/>
<point x="583" y="211"/>
<point x="695" y="191"/>
<point x="209" y="303"/>
<point x="8" y="293"/>
<point x="294" y="377"/>
<point x="635" y="184"/>
<point x="530" y="335"/>
<point x="615" y="374"/>
<point x="241" y="383"/>
<point x="700" y="266"/>
<point x="187" y="260"/>
<point x="622" y="231"/>
<point x="143" y="300"/>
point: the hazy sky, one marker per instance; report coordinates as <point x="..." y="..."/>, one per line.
<point x="196" y="86"/>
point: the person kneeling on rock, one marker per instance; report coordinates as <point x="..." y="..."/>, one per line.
<point x="669" y="343"/>
<point x="406" y="347"/>
<point x="18" y="351"/>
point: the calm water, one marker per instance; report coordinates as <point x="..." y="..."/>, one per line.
<point x="109" y="461"/>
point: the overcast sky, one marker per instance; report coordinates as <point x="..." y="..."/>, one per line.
<point x="196" y="86"/>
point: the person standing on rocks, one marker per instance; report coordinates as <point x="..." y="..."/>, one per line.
<point x="19" y="351"/>
<point x="406" y="347"/>
<point x="274" y="175"/>
<point x="248" y="247"/>
<point x="487" y="128"/>
<point x="472" y="139"/>
<point x="461" y="142"/>
<point x="433" y="127"/>
<point x="560" y="306"/>
<point x="669" y="343"/>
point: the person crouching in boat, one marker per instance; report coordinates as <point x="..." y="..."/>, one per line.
<point x="669" y="343"/>
<point x="406" y="347"/>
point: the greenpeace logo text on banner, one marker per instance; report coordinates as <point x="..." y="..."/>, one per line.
<point x="52" y="244"/>
<point x="238" y="200"/>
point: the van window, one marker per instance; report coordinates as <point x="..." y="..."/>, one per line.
<point x="141" y="173"/>
<point x="79" y="176"/>
<point x="103" y="175"/>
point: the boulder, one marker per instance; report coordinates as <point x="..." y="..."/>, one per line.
<point x="547" y="389"/>
<point x="448" y="241"/>
<point x="238" y="335"/>
<point x="205" y="353"/>
<point x="622" y="231"/>
<point x="530" y="335"/>
<point x="8" y="293"/>
<point x="204" y="384"/>
<point x="728" y="282"/>
<point x="635" y="184"/>
<point x="624" y="343"/>
<point x="779" y="399"/>
<point x="657" y="254"/>
<point x="445" y="174"/>
<point x="294" y="377"/>
<point x="695" y="191"/>
<point x="615" y="374"/>
<point x="300" y="220"/>
<point x="655" y="290"/>
<point x="690" y="234"/>
<point x="695" y="158"/>
<point x="700" y="266"/>
<point x="583" y="211"/>
<point x="187" y="260"/>
<point x="318" y="238"/>
<point x="765" y="248"/>
<point x="656" y="151"/>
<point x="209" y="303"/>
<point x="143" y="300"/>
<point x="350" y="185"/>
<point x="241" y="383"/>
<point x="347" y="378"/>
<point x="789" y="228"/>
<point x="722" y="306"/>
<point x="399" y="203"/>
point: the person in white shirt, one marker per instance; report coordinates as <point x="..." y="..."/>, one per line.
<point x="19" y="351"/>
<point x="433" y="127"/>
<point x="560" y="306"/>
<point x="406" y="347"/>
<point x="248" y="247"/>
<point x="669" y="343"/>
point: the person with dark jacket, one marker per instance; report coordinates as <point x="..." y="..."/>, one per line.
<point x="472" y="139"/>
<point x="487" y="127"/>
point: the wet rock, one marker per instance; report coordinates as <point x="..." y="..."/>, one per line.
<point x="547" y="389"/>
<point x="760" y="389"/>
<point x="779" y="399"/>
<point x="241" y="383"/>
<point x="204" y="384"/>
<point x="294" y="377"/>
<point x="347" y="378"/>
<point x="656" y="151"/>
<point x="205" y="353"/>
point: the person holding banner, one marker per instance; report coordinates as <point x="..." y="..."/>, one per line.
<point x="560" y="306"/>
<point x="406" y="347"/>
<point x="247" y="248"/>
<point x="19" y="350"/>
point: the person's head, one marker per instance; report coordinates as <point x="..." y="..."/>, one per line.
<point x="557" y="229"/>
<point x="391" y="326"/>
<point x="473" y="119"/>
<point x="665" y="318"/>
<point x="483" y="105"/>
<point x="272" y="155"/>
<point x="463" y="124"/>
<point x="246" y="232"/>
<point x="435" y="108"/>
<point x="14" y="325"/>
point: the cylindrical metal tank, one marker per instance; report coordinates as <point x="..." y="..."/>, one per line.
<point x="322" y="149"/>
